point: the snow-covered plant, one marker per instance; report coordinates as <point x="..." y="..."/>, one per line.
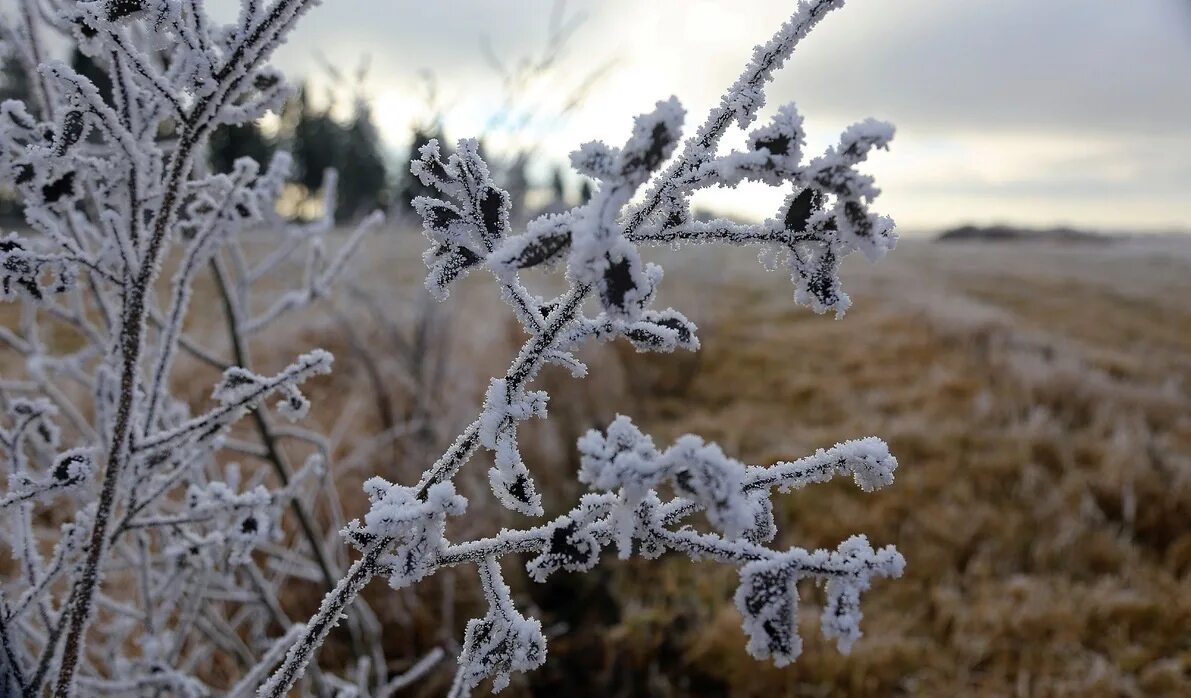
<point x="689" y="497"/>
<point x="140" y="553"/>
<point x="167" y="555"/>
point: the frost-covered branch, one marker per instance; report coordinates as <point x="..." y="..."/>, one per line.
<point x="112" y="181"/>
<point x="182" y="548"/>
<point x="637" y="202"/>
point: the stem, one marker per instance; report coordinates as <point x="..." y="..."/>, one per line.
<point x="529" y="359"/>
<point x="51" y="646"/>
<point x="132" y="330"/>
<point x="384" y="406"/>
<point x="133" y="325"/>
<point x="272" y="452"/>
<point x="696" y="151"/>
<point x="328" y="615"/>
<point x="35" y="77"/>
<point x="14" y="666"/>
<point x="136" y="286"/>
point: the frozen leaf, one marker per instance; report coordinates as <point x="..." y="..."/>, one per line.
<point x="570" y="548"/>
<point x="503" y="641"/>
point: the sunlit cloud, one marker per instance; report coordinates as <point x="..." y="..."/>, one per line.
<point x="1064" y="112"/>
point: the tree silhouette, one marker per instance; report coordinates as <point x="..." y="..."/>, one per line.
<point x="316" y="143"/>
<point x="363" y="178"/>
<point x="230" y="142"/>
<point x="14" y="79"/>
<point x="319" y="142"/>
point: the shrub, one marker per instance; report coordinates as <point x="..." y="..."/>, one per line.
<point x="169" y="542"/>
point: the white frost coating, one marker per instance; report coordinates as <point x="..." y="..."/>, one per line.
<point x="108" y="192"/>
<point x="544" y="243"/>
<point x="767" y="597"/>
<point x="599" y="254"/>
<point x="596" y="160"/>
<point x="868" y="461"/>
<point x="503" y="409"/>
<point x="231" y="523"/>
<point x="71" y="470"/>
<point x="824" y="218"/>
<point x="703" y="473"/>
<point x="293" y="405"/>
<point x="115" y="184"/>
<point x="418" y="524"/>
<point x="239" y="391"/>
<point x="503" y="405"/>
<point x="501" y="642"/>
<point x="624" y="459"/>
<point x="619" y="457"/>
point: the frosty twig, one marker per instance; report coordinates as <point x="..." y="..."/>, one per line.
<point x="827" y="217"/>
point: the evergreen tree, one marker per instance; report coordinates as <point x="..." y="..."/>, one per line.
<point x="317" y="143"/>
<point x="229" y="142"/>
<point x="558" y="187"/>
<point x="363" y="178"/>
<point x="515" y="181"/>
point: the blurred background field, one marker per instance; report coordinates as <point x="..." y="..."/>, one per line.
<point x="1037" y="393"/>
<point x="1037" y="396"/>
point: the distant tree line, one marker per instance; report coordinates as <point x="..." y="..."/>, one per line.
<point x="318" y="140"/>
<point x="314" y="137"/>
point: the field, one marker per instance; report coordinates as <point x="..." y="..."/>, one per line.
<point x="1038" y="399"/>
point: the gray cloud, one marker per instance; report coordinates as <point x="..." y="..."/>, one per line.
<point x="1101" y="88"/>
<point x="1072" y="64"/>
<point x="1077" y="64"/>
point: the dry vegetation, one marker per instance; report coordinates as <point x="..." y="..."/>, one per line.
<point x="1038" y="399"/>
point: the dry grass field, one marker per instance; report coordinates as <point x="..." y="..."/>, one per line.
<point x="1038" y="399"/>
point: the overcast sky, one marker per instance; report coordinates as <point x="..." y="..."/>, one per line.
<point x="1024" y="111"/>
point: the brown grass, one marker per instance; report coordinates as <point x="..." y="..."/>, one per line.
<point x="1043" y="430"/>
<point x="1037" y="399"/>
